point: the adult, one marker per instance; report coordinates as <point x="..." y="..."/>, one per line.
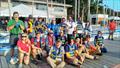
<point x="40" y="25"/>
<point x="112" y="28"/>
<point x="24" y="46"/>
<point x="30" y="23"/>
<point x="71" y="27"/>
<point x="63" y="25"/>
<point x="15" y="27"/>
<point x="54" y="27"/>
<point x="87" y="26"/>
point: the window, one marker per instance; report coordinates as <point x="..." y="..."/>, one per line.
<point x="41" y="7"/>
<point x="58" y="9"/>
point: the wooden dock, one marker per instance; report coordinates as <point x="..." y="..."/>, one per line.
<point x="108" y="60"/>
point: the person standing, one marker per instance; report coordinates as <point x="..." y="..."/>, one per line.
<point x="71" y="27"/>
<point x="111" y="27"/>
<point x="54" y="27"/>
<point x="87" y="26"/>
<point x="15" y="27"/>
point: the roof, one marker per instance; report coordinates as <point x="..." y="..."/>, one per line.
<point x="23" y="11"/>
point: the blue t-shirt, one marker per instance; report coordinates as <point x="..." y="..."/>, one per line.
<point x="71" y="49"/>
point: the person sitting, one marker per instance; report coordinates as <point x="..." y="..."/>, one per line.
<point x="62" y="37"/>
<point x="82" y="50"/>
<point x="24" y="48"/>
<point x="56" y="55"/>
<point x="75" y="34"/>
<point x="71" y="53"/>
<point x="49" y="41"/>
<point x="37" y="46"/>
<point x="99" y="42"/>
<point x="90" y="47"/>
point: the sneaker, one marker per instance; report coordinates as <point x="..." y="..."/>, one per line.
<point x="12" y="60"/>
<point x="16" y="60"/>
<point x="112" y="39"/>
<point x="20" y="66"/>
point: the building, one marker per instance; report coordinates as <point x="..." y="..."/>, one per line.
<point x="55" y="9"/>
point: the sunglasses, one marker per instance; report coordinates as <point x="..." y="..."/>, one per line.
<point x="24" y="36"/>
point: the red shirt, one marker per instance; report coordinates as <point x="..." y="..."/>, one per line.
<point x="23" y="46"/>
<point x="36" y="43"/>
<point x="112" y="25"/>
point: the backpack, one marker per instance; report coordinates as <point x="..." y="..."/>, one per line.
<point x="103" y="50"/>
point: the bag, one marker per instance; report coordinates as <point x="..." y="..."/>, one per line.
<point x="103" y="50"/>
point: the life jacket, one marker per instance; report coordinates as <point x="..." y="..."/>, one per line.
<point x="36" y="42"/>
<point x="62" y="38"/>
<point x="99" y="40"/>
<point x="30" y="26"/>
<point x="57" y="55"/>
<point x="84" y="37"/>
<point x="71" y="50"/>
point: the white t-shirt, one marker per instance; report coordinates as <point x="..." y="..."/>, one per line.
<point x="71" y="27"/>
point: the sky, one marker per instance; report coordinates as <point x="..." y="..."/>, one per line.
<point x="113" y="4"/>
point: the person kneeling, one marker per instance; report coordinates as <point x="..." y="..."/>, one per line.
<point x="56" y="55"/>
<point x="24" y="50"/>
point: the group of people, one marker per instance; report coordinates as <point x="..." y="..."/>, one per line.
<point x="57" y="43"/>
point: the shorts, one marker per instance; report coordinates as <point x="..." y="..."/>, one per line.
<point x="13" y="40"/>
<point x="26" y="58"/>
<point x="111" y="31"/>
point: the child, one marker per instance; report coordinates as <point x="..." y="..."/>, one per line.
<point x="62" y="37"/>
<point x="90" y="47"/>
<point x="99" y="42"/>
<point x="24" y="45"/>
<point x="72" y="55"/>
<point x="56" y="55"/>
<point x="50" y="41"/>
<point x="37" y="46"/>
<point x="82" y="50"/>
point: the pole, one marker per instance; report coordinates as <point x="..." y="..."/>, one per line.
<point x="64" y="8"/>
<point x="88" y="18"/>
<point x="9" y="9"/>
<point x="117" y="8"/>
<point x="75" y="10"/>
<point x="78" y="8"/>
<point x="113" y="9"/>
<point x="51" y="10"/>
<point x="110" y="11"/>
<point x="97" y="6"/>
<point x="47" y="10"/>
<point x="32" y="7"/>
